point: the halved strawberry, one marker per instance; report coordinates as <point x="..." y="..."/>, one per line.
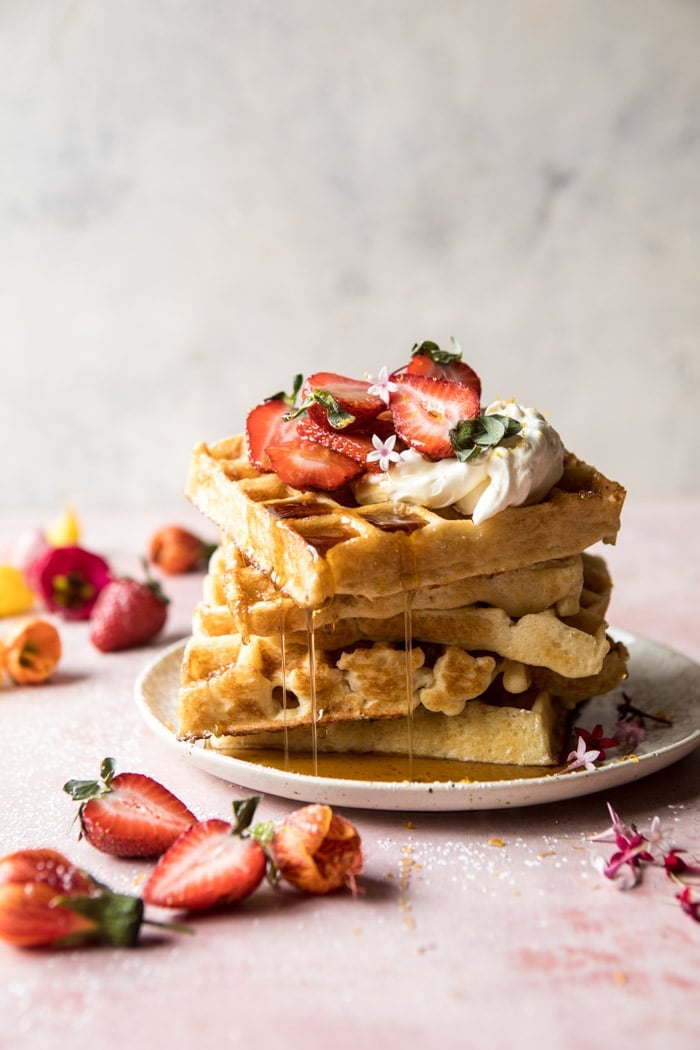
<point x="340" y="401"/>
<point x="212" y="863"/>
<point x="429" y="360"/>
<point x="355" y="445"/>
<point x="266" y="426"/>
<point x="426" y="410"/>
<point x="307" y="465"/>
<point x="129" y="815"/>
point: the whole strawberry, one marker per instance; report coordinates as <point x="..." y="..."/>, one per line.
<point x="127" y="613"/>
<point x="176" y="550"/>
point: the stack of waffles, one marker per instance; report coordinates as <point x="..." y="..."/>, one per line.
<point x="323" y="624"/>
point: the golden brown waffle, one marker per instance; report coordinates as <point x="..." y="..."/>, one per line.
<point x="232" y="687"/>
<point x="312" y="547"/>
<point x="239" y="684"/>
<point x="529" y="735"/>
<point x="238" y="598"/>
<point x="228" y="686"/>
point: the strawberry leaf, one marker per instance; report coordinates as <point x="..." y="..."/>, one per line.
<point x="441" y="357"/>
<point x="473" y="436"/>
<point x="117" y="917"/>
<point x="83" y="790"/>
<point x="338" y="418"/>
<point x="243" y="813"/>
<point x="107" y="769"/>
<point x="289" y="399"/>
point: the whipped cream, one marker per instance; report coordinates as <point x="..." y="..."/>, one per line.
<point x="521" y="470"/>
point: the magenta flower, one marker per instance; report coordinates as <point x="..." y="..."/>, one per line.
<point x="676" y="867"/>
<point x="629" y="733"/>
<point x="630" y="851"/>
<point x="618" y="828"/>
<point x="594" y="738"/>
<point x="69" y="579"/>
<point x="690" y="907"/>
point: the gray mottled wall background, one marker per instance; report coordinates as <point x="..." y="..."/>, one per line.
<point x="199" y="199"/>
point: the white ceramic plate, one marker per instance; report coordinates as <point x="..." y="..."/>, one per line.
<point x="659" y="679"/>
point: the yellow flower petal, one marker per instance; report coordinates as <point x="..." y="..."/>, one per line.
<point x="16" y="596"/>
<point x="65" y="530"/>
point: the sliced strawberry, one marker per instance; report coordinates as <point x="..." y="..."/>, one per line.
<point x="426" y="410"/>
<point x="129" y="815"/>
<point x="340" y="401"/>
<point x="355" y="445"/>
<point x="430" y="361"/>
<point x="307" y="465"/>
<point x="266" y="426"/>
<point x="210" y="864"/>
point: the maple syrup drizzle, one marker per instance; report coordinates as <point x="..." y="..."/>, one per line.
<point x="311" y="645"/>
<point x="283" y="654"/>
<point x="408" y="643"/>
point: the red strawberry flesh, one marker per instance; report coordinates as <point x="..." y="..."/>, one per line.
<point x="207" y="866"/>
<point x="356" y="446"/>
<point x="351" y="395"/>
<point x="307" y="465"/>
<point x="137" y="817"/>
<point x="266" y="426"/>
<point x="455" y="371"/>
<point x="425" y="410"/>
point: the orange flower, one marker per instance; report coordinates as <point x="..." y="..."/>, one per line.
<point x="30" y="652"/>
<point x="316" y="850"/>
<point x="175" y="550"/>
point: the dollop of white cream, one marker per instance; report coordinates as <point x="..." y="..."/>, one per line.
<point x="519" y="471"/>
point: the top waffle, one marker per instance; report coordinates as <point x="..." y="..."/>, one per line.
<point x="313" y="547"/>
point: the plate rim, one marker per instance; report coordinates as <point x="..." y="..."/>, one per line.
<point x="411" y="795"/>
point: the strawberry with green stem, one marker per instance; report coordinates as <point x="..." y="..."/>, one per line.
<point x="429" y="360"/>
<point x="47" y="902"/>
<point x="268" y="424"/>
<point x="130" y="814"/>
<point x="213" y="863"/>
<point x="425" y="412"/>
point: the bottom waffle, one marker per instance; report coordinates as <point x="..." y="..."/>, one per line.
<point x="531" y="732"/>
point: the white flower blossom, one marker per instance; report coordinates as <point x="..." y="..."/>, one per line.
<point x="383" y="452"/>
<point x="382" y="386"/>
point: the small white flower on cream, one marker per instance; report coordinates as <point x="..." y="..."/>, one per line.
<point x="383" y="452"/>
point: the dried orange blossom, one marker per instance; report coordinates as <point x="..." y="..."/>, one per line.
<point x="30" y="652"/>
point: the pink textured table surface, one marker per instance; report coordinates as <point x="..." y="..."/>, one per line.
<point x="478" y="928"/>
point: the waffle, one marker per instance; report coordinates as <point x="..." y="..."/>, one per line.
<point x="313" y="547"/>
<point x="531" y="734"/>
<point x="234" y="688"/>
<point x="238" y="598"/>
<point x="236" y="685"/>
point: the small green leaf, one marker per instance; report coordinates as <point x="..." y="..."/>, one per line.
<point x="82" y="790"/>
<point x="473" y="436"/>
<point x="243" y="813"/>
<point x="107" y="770"/>
<point x="433" y="351"/>
<point x="290" y="399"/>
<point x="337" y="416"/>
<point x="117" y="917"/>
